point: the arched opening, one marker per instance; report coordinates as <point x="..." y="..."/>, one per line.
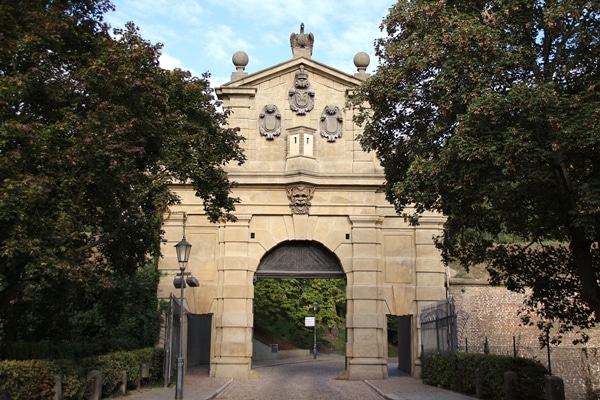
<point x="300" y="259"/>
<point x="290" y="278"/>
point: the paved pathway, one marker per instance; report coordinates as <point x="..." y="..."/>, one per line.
<point x="300" y="379"/>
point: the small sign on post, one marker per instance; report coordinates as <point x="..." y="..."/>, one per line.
<point x="309" y="321"/>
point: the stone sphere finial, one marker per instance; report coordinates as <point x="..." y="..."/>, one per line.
<point x="362" y="60"/>
<point x="240" y="60"/>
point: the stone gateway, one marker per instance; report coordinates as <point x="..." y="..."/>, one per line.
<point x="308" y="196"/>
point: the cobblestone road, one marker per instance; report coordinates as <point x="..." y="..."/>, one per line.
<point x="300" y="381"/>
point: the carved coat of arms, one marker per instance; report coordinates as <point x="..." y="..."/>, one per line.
<point x="301" y="95"/>
<point x="269" y="122"/>
<point x="300" y="197"/>
<point x="331" y="125"/>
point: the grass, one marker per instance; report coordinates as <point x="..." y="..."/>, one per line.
<point x="392" y="351"/>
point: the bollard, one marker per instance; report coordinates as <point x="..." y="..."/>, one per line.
<point x="124" y="383"/>
<point x="144" y="373"/>
<point x="510" y="385"/>
<point x="95" y="385"/>
<point x="555" y="388"/>
<point x="58" y="393"/>
<point x="477" y="383"/>
<point x="144" y="370"/>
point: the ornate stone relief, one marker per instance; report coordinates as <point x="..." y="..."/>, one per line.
<point x="331" y="123"/>
<point x="300" y="197"/>
<point x="301" y="95"/>
<point x="269" y="122"/>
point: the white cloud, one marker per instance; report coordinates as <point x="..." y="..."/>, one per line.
<point x="168" y="62"/>
<point x="204" y="34"/>
<point x="219" y="44"/>
<point x="188" y="12"/>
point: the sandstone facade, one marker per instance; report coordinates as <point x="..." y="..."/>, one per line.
<point x="306" y="179"/>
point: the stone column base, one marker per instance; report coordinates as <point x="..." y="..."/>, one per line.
<point x="232" y="367"/>
<point x="367" y="368"/>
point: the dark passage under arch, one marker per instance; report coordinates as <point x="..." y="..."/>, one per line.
<point x="300" y="258"/>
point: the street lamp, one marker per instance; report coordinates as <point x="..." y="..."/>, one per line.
<point x="315" y="308"/>
<point x="183" y="249"/>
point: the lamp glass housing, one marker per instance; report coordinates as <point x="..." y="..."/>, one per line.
<point x="183" y="249"/>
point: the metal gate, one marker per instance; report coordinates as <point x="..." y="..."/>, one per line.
<point x="438" y="327"/>
<point x="171" y="339"/>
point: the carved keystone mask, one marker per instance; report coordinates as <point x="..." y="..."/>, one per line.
<point x="300" y="197"/>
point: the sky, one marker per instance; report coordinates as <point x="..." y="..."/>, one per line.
<point x="203" y="35"/>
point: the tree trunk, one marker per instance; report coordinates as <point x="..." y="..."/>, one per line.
<point x="582" y="257"/>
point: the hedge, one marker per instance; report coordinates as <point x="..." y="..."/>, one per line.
<point x="457" y="372"/>
<point x="35" y="379"/>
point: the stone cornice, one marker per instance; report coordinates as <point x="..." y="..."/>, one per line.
<point x="311" y="66"/>
<point x="315" y="178"/>
<point x="235" y="91"/>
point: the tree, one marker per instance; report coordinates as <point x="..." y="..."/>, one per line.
<point x="287" y="301"/>
<point x="92" y="131"/>
<point x="487" y="111"/>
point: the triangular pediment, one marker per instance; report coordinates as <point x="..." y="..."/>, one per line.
<point x="311" y="66"/>
<point x="295" y="118"/>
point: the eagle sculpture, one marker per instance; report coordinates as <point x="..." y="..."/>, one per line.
<point x="302" y="39"/>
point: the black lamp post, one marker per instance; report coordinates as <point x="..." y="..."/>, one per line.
<point x="183" y="249"/>
<point x="315" y="308"/>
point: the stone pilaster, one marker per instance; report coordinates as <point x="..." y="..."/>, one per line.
<point x="233" y="320"/>
<point x="366" y="321"/>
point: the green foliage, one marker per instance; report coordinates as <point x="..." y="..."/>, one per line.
<point x="438" y="370"/>
<point x="466" y="366"/>
<point x="332" y="344"/>
<point x="392" y="329"/>
<point x="392" y="351"/>
<point x="487" y="112"/>
<point x="34" y="379"/>
<point x="27" y="380"/>
<point x="112" y="366"/>
<point x="127" y="316"/>
<point x="457" y="372"/>
<point x="282" y="304"/>
<point x="45" y="350"/>
<point x="73" y="375"/>
<point x="135" y="311"/>
<point x="92" y="132"/>
<point x="153" y="356"/>
<point x="292" y="299"/>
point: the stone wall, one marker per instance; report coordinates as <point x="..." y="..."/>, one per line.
<point x="492" y="312"/>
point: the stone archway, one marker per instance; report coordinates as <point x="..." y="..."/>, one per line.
<point x="300" y="259"/>
<point x="296" y="261"/>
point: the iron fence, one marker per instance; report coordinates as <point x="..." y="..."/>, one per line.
<point x="578" y="366"/>
<point x="438" y="327"/>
